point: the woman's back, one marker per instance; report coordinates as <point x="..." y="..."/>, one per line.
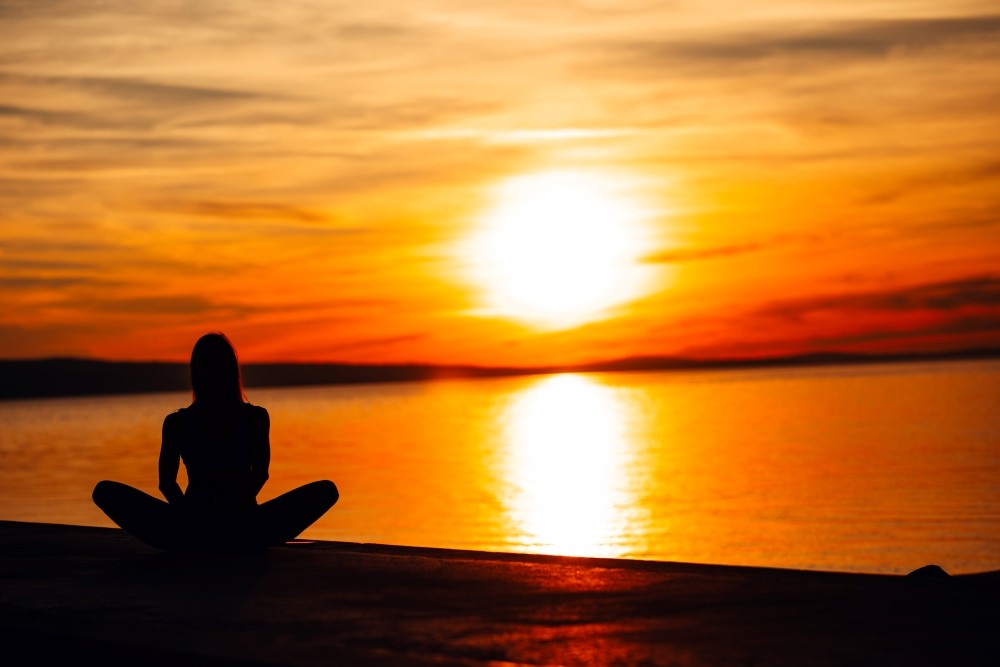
<point x="225" y="451"/>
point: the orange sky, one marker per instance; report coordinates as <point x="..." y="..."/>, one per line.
<point x="311" y="177"/>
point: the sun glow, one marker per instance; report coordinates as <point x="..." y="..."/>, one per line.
<point x="559" y="248"/>
<point x="568" y="457"/>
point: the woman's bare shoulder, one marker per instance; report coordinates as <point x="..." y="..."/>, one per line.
<point x="175" y="416"/>
<point x="257" y="413"/>
<point x="175" y="420"/>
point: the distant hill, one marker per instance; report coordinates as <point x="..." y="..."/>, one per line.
<point x="814" y="359"/>
<point x="39" y="378"/>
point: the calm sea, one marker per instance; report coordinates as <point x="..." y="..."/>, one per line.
<point x="856" y="468"/>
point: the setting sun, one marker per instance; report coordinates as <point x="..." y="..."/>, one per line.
<point x="557" y="249"/>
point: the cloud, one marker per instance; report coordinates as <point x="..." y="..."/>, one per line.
<point x="938" y="178"/>
<point x="139" y="89"/>
<point x="40" y="282"/>
<point x="377" y="342"/>
<point x="962" y="313"/>
<point x="526" y="135"/>
<point x="39" y="340"/>
<point x="19" y="9"/>
<point x="981" y="292"/>
<point x="678" y="255"/>
<point x="57" y="118"/>
<point x="247" y="211"/>
<point x="184" y="304"/>
<point x="71" y="247"/>
<point x="20" y="263"/>
<point x="372" y="31"/>
<point x="959" y="332"/>
<point x="20" y="189"/>
<point x="844" y="40"/>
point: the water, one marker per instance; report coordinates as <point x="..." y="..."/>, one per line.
<point x="864" y="468"/>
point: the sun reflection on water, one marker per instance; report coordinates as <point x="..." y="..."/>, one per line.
<point x="568" y="459"/>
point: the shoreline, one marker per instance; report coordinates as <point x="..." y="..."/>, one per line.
<point x="87" y="592"/>
<point x="78" y="377"/>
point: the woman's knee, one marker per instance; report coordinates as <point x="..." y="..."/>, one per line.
<point x="108" y="494"/>
<point x="103" y="491"/>
<point x="323" y="492"/>
<point x="328" y="491"/>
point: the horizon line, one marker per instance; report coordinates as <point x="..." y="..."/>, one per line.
<point x="818" y="355"/>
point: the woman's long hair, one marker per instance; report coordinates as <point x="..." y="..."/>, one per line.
<point x="215" y="372"/>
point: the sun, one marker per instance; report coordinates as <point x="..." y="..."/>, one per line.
<point x="557" y="249"/>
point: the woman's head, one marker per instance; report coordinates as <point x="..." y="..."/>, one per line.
<point x="215" y="371"/>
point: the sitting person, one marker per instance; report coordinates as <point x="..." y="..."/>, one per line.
<point x="224" y="443"/>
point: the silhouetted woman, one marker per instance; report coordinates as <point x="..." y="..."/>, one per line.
<point x="224" y="444"/>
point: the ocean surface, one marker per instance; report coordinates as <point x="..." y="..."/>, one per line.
<point x="881" y="468"/>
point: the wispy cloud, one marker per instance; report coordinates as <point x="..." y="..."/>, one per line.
<point x="527" y="135"/>
<point x="137" y="89"/>
<point x="679" y="255"/>
<point x="797" y="41"/>
<point x="246" y="211"/>
<point x="957" y="175"/>
<point x="378" y="342"/>
<point x="192" y="305"/>
<point x="950" y="295"/>
<point x="52" y="118"/>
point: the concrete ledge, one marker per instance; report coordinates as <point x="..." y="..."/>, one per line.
<point x="81" y="593"/>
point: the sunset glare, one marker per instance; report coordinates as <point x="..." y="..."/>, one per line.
<point x="558" y="248"/>
<point x="568" y="450"/>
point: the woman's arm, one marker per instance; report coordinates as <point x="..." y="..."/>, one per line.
<point x="260" y="448"/>
<point x="170" y="461"/>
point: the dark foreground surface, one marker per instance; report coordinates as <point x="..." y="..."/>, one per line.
<point x="97" y="596"/>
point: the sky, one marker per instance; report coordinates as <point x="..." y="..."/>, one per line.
<point x="516" y="183"/>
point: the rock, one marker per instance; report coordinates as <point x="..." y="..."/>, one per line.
<point x="934" y="571"/>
